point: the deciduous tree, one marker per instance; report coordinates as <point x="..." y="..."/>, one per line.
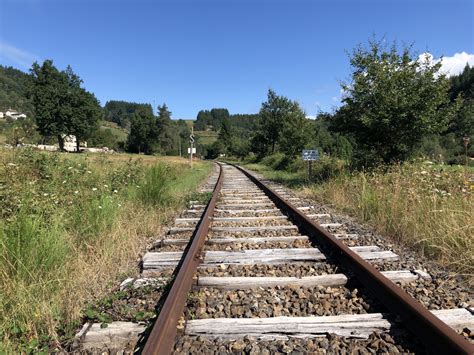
<point x="282" y="124"/>
<point x="392" y="102"/>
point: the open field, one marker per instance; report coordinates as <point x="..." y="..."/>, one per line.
<point x="427" y="207"/>
<point x="71" y="225"/>
<point x="206" y="137"/>
<point x="119" y="133"/>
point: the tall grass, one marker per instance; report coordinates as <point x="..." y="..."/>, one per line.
<point x="68" y="228"/>
<point x="426" y="207"/>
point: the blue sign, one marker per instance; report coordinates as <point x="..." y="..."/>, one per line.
<point x="310" y="154"/>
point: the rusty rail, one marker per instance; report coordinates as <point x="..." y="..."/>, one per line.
<point x="435" y="334"/>
<point x="162" y="337"/>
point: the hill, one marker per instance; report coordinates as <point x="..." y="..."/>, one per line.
<point x="14" y="90"/>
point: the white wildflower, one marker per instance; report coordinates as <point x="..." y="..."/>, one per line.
<point x="94" y="189"/>
<point x="76" y="192"/>
<point x="100" y="207"/>
<point x="89" y="172"/>
<point x="69" y="168"/>
<point x="115" y="191"/>
<point x="106" y="185"/>
<point x="64" y="181"/>
<point x="45" y="194"/>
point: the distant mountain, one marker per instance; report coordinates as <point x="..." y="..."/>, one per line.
<point x="14" y="90"/>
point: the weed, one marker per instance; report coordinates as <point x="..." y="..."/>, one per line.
<point x="69" y="226"/>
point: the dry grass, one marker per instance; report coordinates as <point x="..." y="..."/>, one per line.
<point x="426" y="207"/>
<point x="72" y="225"/>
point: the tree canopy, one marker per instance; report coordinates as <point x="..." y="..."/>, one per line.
<point x="62" y="106"/>
<point x="14" y="86"/>
<point x="210" y="119"/>
<point x="121" y="112"/>
<point x="392" y="102"/>
<point x="281" y="126"/>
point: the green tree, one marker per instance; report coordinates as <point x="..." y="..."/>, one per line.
<point x="225" y="134"/>
<point x="62" y="106"/>
<point x="85" y="110"/>
<point x="392" y="102"/>
<point x="218" y="115"/>
<point x="121" y="112"/>
<point x="22" y="131"/>
<point x="50" y="99"/>
<point x="282" y="124"/>
<point x="143" y="133"/>
<point x="183" y="132"/>
<point x="14" y="85"/>
<point x="165" y="137"/>
<point x="204" y="118"/>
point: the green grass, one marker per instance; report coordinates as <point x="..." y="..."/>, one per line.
<point x="424" y="206"/>
<point x="119" y="133"/>
<point x="206" y="137"/>
<point x="70" y="224"/>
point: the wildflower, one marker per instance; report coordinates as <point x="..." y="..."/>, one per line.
<point x="45" y="194"/>
<point x="94" y="189"/>
<point x="115" y="191"/>
<point x="106" y="185"/>
<point x="119" y="205"/>
<point x="69" y="168"/>
<point x="64" y="181"/>
<point x="76" y="192"/>
<point x="89" y="172"/>
<point x="100" y="207"/>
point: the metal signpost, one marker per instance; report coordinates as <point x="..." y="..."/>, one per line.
<point x="192" y="149"/>
<point x="310" y="156"/>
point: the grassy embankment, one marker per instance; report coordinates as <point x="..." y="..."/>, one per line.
<point x="70" y="227"/>
<point x="428" y="207"/>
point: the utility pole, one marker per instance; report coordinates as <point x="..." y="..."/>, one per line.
<point x="191" y="141"/>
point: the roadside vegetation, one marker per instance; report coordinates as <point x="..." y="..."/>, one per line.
<point x="67" y="222"/>
<point x="70" y="226"/>
<point x="397" y="111"/>
<point x="418" y="204"/>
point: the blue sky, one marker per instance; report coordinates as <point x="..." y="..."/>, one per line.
<point x="202" y="54"/>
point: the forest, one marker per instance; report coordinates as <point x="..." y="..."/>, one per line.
<point x="394" y="108"/>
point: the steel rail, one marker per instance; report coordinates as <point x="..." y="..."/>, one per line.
<point x="161" y="339"/>
<point x="435" y="334"/>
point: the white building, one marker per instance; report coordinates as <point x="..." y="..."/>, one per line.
<point x="70" y="143"/>
<point x="13" y="114"/>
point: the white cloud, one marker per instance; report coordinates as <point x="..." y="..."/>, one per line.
<point x="451" y="65"/>
<point x="17" y="55"/>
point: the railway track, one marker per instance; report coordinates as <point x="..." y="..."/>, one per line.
<point x="264" y="272"/>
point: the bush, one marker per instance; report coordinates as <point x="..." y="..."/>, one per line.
<point x="156" y="187"/>
<point x="327" y="168"/>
